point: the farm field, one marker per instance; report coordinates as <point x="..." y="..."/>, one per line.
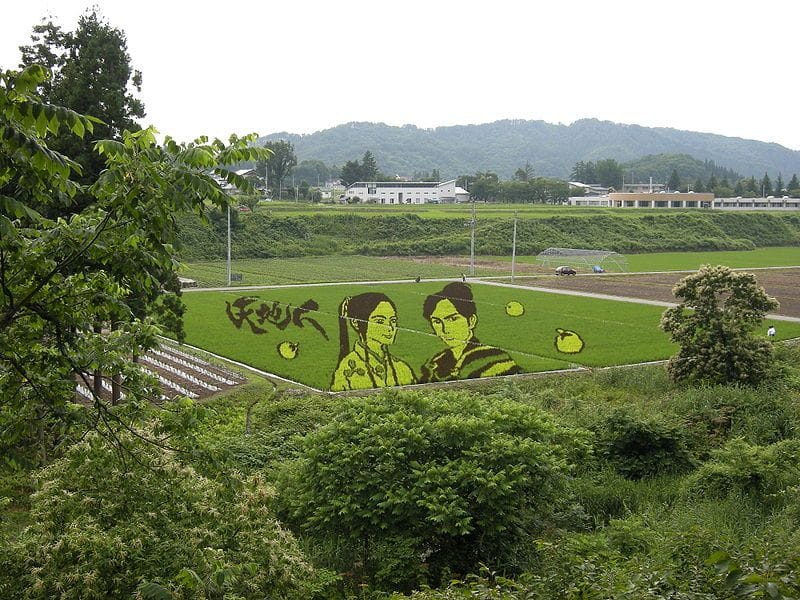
<point x="781" y="256"/>
<point x="613" y="332"/>
<point x="278" y="271"/>
<point x="781" y="283"/>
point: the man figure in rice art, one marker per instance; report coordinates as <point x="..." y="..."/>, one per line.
<point x="369" y="364"/>
<point x="453" y="317"/>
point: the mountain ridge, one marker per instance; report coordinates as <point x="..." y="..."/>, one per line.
<point x="552" y="149"/>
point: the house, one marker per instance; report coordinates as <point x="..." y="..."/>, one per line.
<point x="589" y="189"/>
<point x="405" y="192"/>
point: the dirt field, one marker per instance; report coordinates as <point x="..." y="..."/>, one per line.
<point x="782" y="283"/>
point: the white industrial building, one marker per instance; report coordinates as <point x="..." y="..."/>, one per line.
<point x="405" y="192"/>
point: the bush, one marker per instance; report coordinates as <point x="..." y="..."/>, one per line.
<point x="640" y="447"/>
<point x="105" y="522"/>
<point x="762" y="473"/>
<point x="424" y="485"/>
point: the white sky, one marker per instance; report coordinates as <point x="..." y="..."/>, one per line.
<point x="215" y="68"/>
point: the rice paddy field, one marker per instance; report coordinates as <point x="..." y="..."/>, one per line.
<point x="294" y="331"/>
<point x="278" y="271"/>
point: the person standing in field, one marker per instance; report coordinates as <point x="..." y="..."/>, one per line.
<point x="369" y="364"/>
<point x="453" y="317"/>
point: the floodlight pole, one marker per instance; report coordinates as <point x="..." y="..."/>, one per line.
<point x="229" y="244"/>
<point x="514" y="248"/>
<point x="472" y="243"/>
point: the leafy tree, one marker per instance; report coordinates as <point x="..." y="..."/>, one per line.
<point x="674" y="182"/>
<point x="698" y="185"/>
<point x="91" y="74"/>
<point x="279" y="164"/>
<point x="793" y="187"/>
<point x="779" y="189"/>
<point x="524" y="173"/>
<point x="303" y="188"/>
<point x="350" y="173"/>
<point x="102" y="525"/>
<point x="485" y="187"/>
<point x="713" y="324"/>
<point x="584" y="172"/>
<point x="315" y="172"/>
<point x="437" y="481"/>
<point x="105" y="264"/>
<point x="609" y="173"/>
<point x="465" y="181"/>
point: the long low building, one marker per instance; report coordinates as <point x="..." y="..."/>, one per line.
<point x="405" y="192"/>
<point x="684" y="200"/>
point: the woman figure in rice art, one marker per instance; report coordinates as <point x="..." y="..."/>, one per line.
<point x="369" y="364"/>
<point x="453" y="318"/>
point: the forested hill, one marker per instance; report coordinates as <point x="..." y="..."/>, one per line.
<point x="552" y="150"/>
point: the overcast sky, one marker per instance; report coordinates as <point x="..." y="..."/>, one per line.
<point x="726" y="67"/>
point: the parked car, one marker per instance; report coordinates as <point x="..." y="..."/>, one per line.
<point x="564" y="270"/>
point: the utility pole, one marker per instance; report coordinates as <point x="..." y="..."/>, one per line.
<point x="472" y="243"/>
<point x="229" y="245"/>
<point x="514" y="248"/>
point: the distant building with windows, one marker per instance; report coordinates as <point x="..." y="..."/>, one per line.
<point x="405" y="192"/>
<point x="684" y="200"/>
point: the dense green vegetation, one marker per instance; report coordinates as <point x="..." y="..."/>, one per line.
<point x="639" y="483"/>
<point x="267" y="234"/>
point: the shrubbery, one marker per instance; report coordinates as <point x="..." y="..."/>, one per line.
<point x="639" y="447"/>
<point x="106" y="522"/>
<point x="417" y="486"/>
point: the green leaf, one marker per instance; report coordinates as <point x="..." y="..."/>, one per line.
<point x="15" y="208"/>
<point x="154" y="591"/>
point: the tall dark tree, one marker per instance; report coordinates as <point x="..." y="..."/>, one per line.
<point x="793" y="184"/>
<point x="92" y="75"/>
<point x="524" y="173"/>
<point x="674" y="182"/>
<point x="279" y="165"/>
<point x="609" y="173"/>
<point x="584" y="172"/>
<point x="369" y="167"/>
<point x="779" y="189"/>
<point x="350" y="173"/>
<point x="766" y="185"/>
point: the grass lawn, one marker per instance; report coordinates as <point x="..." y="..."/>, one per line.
<point x="613" y="332"/>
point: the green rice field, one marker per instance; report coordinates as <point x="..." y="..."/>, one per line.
<point x="278" y="271"/>
<point x="613" y="333"/>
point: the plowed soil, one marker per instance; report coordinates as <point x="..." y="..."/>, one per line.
<point x="782" y="283"/>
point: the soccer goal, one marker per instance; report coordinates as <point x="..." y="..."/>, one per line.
<point x="586" y="258"/>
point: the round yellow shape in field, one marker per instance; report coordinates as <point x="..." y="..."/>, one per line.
<point x="288" y="350"/>
<point x="515" y="309"/>
<point x="568" y="342"/>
